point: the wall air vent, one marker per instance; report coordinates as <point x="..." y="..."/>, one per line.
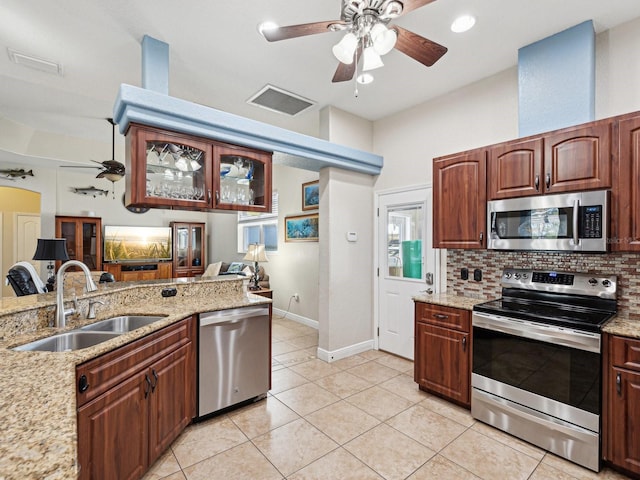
<point x="278" y="100"/>
<point x="35" y="62"/>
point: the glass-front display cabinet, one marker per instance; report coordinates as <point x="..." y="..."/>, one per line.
<point x="173" y="170"/>
<point x="188" y="249"/>
<point x="167" y="169"/>
<point x="242" y="179"/>
<point x="84" y="240"/>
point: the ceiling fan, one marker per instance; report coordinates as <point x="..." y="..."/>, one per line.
<point x="368" y="35"/>
<point x="112" y="170"/>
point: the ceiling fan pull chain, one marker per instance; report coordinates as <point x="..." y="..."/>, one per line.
<point x="355" y="77"/>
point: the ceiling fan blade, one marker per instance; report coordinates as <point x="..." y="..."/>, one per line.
<point x="417" y="47"/>
<point x="80" y="166"/>
<point x="344" y="72"/>
<point x="409" y="5"/>
<point x="293" y="31"/>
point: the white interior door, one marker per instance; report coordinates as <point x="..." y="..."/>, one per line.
<point x="406" y="265"/>
<point x="26" y="237"/>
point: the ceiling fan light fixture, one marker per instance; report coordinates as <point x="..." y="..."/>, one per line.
<point x="463" y="23"/>
<point x="345" y="48"/>
<point x="365" y="78"/>
<point x="112" y="177"/>
<point x="371" y="60"/>
<point x="383" y="38"/>
<point x="392" y="10"/>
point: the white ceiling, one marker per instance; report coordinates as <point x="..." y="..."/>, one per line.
<point x="218" y="58"/>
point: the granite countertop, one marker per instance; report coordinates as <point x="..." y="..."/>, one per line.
<point x="624" y="324"/>
<point x="455" y="301"/>
<point x="37" y="389"/>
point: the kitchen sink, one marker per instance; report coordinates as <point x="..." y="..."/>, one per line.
<point x="123" y="324"/>
<point x="64" y="342"/>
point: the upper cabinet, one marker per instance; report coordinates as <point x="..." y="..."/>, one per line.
<point x="172" y="170"/>
<point x="459" y="200"/>
<point x="242" y="179"/>
<point x="567" y="160"/>
<point x="625" y="228"/>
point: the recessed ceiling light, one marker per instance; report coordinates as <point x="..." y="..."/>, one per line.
<point x="268" y="25"/>
<point x="463" y="23"/>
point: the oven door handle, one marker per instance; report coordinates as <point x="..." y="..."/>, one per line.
<point x="543" y="333"/>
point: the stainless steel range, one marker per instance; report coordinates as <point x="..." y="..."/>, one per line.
<point x="537" y="360"/>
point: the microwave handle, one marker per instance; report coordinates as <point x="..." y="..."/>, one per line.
<point x="576" y="211"/>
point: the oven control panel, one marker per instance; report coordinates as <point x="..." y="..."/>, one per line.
<point x="561" y="282"/>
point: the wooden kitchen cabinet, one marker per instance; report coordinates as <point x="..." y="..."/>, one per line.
<point x="442" y="362"/>
<point x="625" y="195"/>
<point x="188" y="249"/>
<point x="242" y="179"/>
<point x="578" y="158"/>
<point x="166" y="169"/>
<point x="515" y="169"/>
<point x="132" y="272"/>
<point x="133" y="402"/>
<point x="569" y="160"/>
<point x="84" y="239"/>
<point x="459" y="200"/>
<point x="621" y="412"/>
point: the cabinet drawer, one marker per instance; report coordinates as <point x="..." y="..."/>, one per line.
<point x="109" y="369"/>
<point x="447" y="317"/>
<point x="625" y="352"/>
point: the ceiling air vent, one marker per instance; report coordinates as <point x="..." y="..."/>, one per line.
<point x="35" y="62"/>
<point x="278" y="100"/>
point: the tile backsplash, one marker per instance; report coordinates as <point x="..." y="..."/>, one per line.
<point x="625" y="265"/>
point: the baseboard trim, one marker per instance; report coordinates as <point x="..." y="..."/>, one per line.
<point x="332" y="356"/>
<point x="296" y="318"/>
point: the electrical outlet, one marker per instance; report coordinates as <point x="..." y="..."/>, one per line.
<point x="477" y="275"/>
<point x="296" y="297"/>
<point x="464" y="273"/>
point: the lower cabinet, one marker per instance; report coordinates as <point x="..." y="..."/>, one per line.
<point x="133" y="402"/>
<point x="137" y="272"/>
<point x="443" y="351"/>
<point x="621" y="411"/>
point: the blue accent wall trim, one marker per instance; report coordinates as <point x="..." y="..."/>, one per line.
<point x="556" y="81"/>
<point x="155" y="65"/>
<point x="147" y="107"/>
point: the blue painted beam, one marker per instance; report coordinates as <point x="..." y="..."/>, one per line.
<point x="155" y="65"/>
<point x="146" y="107"/>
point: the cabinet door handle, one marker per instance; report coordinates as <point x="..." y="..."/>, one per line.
<point x="217" y="196"/>
<point x="619" y="384"/>
<point x="547" y="181"/>
<point x="147" y="385"/>
<point x="155" y="376"/>
<point x="464" y="344"/>
<point x="537" y="183"/>
<point x="83" y="384"/>
<point x="481" y="237"/>
<point x="440" y="316"/>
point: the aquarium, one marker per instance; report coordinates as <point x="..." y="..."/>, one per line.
<point x="136" y="244"/>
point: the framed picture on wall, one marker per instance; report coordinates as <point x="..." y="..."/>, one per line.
<point x="310" y="195"/>
<point x="301" y="228"/>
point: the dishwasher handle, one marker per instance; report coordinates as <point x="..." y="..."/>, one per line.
<point x="231" y="316"/>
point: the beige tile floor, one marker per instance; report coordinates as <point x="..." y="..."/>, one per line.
<point x="359" y="418"/>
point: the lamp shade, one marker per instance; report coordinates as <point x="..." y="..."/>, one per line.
<point x="371" y="60"/>
<point x="256" y="253"/>
<point x="345" y="48"/>
<point x="51" y="249"/>
<point x="383" y="39"/>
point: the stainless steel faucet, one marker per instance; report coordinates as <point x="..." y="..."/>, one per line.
<point x="61" y="313"/>
<point x="91" y="312"/>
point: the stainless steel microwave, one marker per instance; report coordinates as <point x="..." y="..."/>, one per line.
<point x="576" y="222"/>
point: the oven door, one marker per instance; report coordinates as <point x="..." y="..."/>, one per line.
<point x="540" y="383"/>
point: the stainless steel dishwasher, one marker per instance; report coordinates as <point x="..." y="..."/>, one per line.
<point x="234" y="357"/>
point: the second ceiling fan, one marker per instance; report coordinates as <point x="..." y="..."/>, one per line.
<point x="368" y="35"/>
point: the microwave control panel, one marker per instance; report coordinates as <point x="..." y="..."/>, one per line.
<point x="591" y="220"/>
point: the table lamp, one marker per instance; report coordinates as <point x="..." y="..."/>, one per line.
<point x="255" y="254"/>
<point x="51" y="249"/>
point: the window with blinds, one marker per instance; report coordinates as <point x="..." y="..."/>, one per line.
<point x="256" y="227"/>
